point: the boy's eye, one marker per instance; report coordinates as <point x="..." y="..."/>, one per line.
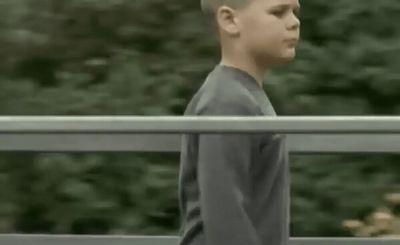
<point x="282" y="11"/>
<point x="278" y="12"/>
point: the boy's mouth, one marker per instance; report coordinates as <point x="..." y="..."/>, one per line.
<point x="292" y="42"/>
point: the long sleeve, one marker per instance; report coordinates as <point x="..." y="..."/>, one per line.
<point x="224" y="161"/>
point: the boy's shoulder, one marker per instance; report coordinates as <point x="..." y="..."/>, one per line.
<point x="222" y="94"/>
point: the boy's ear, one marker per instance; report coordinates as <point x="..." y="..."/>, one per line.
<point x="227" y="20"/>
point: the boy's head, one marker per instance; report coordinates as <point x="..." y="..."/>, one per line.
<point x="211" y="5"/>
<point x="266" y="30"/>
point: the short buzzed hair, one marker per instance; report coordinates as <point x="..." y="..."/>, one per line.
<point x="209" y="6"/>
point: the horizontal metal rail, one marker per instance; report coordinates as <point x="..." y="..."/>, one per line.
<point x="87" y="134"/>
<point x="128" y="142"/>
<point x="202" y="124"/>
<point x="167" y="240"/>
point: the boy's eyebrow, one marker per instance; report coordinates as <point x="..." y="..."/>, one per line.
<point x="287" y="5"/>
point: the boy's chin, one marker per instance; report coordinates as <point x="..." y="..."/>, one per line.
<point x="287" y="57"/>
<point x="282" y="58"/>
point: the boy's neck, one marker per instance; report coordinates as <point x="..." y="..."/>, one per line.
<point x="257" y="74"/>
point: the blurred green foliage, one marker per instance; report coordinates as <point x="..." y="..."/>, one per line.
<point x="382" y="222"/>
<point x="148" y="57"/>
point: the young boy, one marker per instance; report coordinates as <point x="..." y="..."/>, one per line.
<point x="234" y="188"/>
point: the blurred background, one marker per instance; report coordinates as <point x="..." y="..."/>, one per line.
<point x="148" y="57"/>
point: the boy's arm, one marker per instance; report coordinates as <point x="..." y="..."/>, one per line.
<point x="223" y="172"/>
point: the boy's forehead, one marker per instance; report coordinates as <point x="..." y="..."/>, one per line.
<point x="281" y="2"/>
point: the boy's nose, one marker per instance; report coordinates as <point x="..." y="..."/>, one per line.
<point x="294" y="23"/>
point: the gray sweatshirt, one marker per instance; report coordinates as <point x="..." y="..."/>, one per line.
<point x="233" y="188"/>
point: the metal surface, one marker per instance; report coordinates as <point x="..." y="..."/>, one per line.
<point x="129" y="142"/>
<point x="166" y="240"/>
<point x="175" y="124"/>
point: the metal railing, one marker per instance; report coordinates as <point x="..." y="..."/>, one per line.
<point x="18" y="239"/>
<point x="306" y="135"/>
